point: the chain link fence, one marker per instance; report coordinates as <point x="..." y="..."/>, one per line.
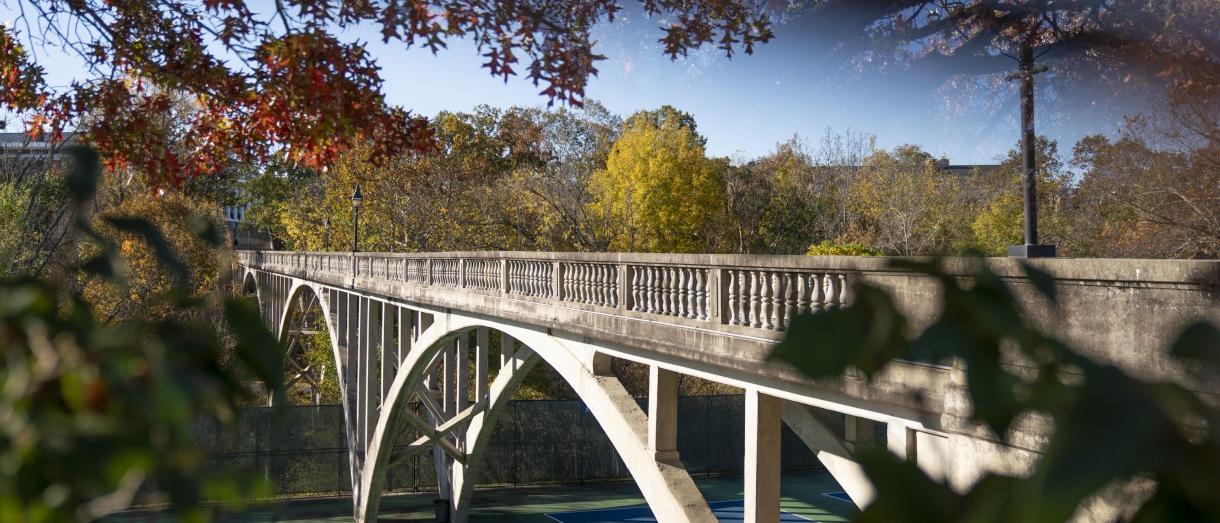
<point x="303" y="452"/>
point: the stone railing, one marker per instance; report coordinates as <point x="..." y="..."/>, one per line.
<point x="706" y="288"/>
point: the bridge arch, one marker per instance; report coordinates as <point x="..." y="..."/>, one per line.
<point x="667" y="488"/>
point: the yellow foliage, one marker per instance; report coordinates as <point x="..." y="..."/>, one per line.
<point x="658" y="192"/>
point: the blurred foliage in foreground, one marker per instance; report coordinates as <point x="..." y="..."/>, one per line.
<point x="93" y="414"/>
<point x="1109" y="427"/>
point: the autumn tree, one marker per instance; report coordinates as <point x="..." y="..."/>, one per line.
<point x="549" y="201"/>
<point x="1096" y="49"/>
<point x="999" y="221"/>
<point x="659" y="192"/>
<point x="1137" y="200"/>
<point x="906" y="204"/>
<point x="288" y="78"/>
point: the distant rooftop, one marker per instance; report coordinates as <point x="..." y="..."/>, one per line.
<point x="10" y="140"/>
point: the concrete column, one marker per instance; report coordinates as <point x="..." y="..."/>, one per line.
<point x="351" y="351"/>
<point x="900" y="440"/>
<point x="858" y="432"/>
<point x="389" y="350"/>
<point x="663" y="414"/>
<point x="462" y="369"/>
<point x="481" y="356"/>
<point x="762" y="464"/>
<point x="369" y="391"/>
<point x="508" y="347"/>
<point x="406" y="333"/>
<point x="448" y="387"/>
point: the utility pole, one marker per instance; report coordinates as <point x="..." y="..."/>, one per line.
<point x="1026" y="72"/>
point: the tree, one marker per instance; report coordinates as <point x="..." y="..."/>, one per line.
<point x="284" y="79"/>
<point x="747" y="192"/>
<point x="800" y="199"/>
<point x="658" y="192"/>
<point x="906" y="204"/>
<point x="1000" y="220"/>
<point x="549" y="201"/>
<point x="1094" y="46"/>
<point x="94" y="413"/>
<point x="1134" y="199"/>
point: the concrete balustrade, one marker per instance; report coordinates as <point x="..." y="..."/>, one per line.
<point x="399" y="325"/>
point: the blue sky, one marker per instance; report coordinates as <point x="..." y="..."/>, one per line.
<point x="743" y="106"/>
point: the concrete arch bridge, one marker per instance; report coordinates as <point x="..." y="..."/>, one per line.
<point x="400" y="326"/>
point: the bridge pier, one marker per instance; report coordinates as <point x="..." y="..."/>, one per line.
<point x="663" y="414"/>
<point x="762" y="457"/>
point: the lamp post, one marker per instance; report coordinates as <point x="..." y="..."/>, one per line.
<point x="357" y="200"/>
<point x="1031" y="248"/>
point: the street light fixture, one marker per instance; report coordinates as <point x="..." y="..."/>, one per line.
<point x="357" y="201"/>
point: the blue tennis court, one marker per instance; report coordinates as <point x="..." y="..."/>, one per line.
<point x="841" y="496"/>
<point x="730" y="511"/>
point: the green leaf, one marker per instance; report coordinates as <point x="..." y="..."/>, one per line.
<point x="904" y="493"/>
<point x="1199" y="342"/>
<point x="257" y="347"/>
<point x="1041" y="280"/>
<point x="865" y="335"/>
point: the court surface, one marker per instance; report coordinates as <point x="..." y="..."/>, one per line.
<point x="804" y="498"/>
<point x="725" y="511"/>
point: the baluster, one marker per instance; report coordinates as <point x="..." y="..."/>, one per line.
<point x="791" y="306"/>
<point x="733" y="278"/>
<point x="645" y="288"/>
<point x="655" y="283"/>
<point x="588" y="292"/>
<point x="754" y="304"/>
<point x="661" y="289"/>
<point x="688" y="293"/>
<point x="570" y="276"/>
<point x="596" y="291"/>
<point x="636" y="291"/>
<point x="783" y="308"/>
<point x="843" y="291"/>
<point x="768" y="300"/>
<point x="802" y="293"/>
<point x="692" y="295"/>
<point x="743" y="287"/>
<point x="671" y="291"/>
<point x="701" y="294"/>
<point x="582" y="283"/>
<point x="820" y="292"/>
<point x="683" y="292"/>
<point x="609" y="289"/>
<point x="658" y="290"/>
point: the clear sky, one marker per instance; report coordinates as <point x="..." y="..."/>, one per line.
<point x="746" y="105"/>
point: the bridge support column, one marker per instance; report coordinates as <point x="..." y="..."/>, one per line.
<point x="663" y="414"/>
<point x="858" y="432"/>
<point x="830" y="450"/>
<point x="762" y="465"/>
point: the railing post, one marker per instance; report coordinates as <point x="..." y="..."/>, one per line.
<point x="504" y="275"/>
<point x="428" y="272"/>
<point x="461" y="273"/>
<point x="624" y="285"/>
<point x="556" y="289"/>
